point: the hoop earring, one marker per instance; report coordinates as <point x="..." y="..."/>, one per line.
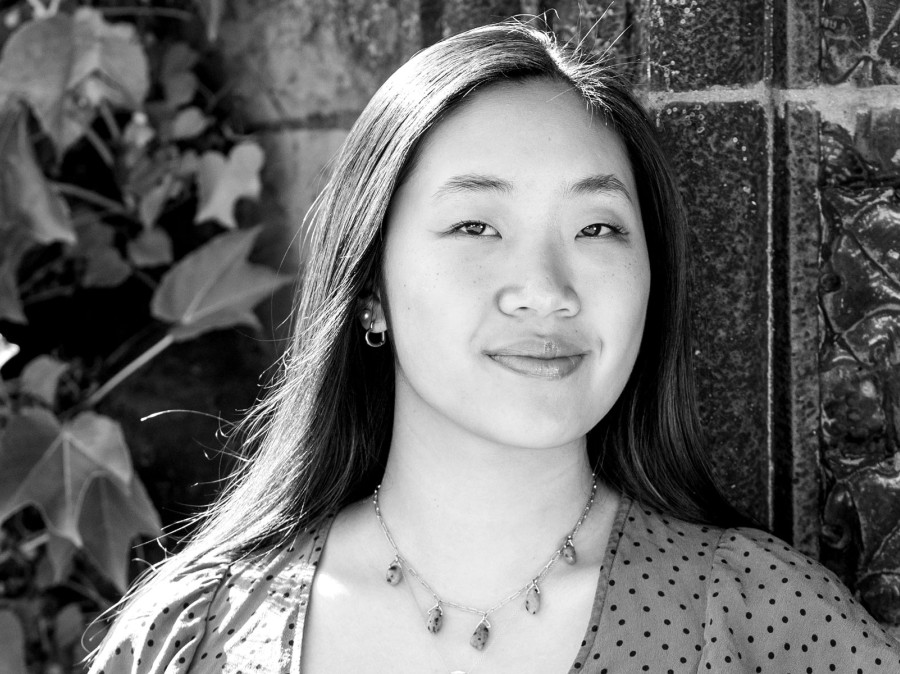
<point x="369" y="334"/>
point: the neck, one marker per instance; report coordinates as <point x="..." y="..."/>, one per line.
<point x="476" y="517"/>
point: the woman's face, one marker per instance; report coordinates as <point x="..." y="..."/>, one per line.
<point x="515" y="269"/>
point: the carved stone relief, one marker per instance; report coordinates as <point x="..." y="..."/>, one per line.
<point x="860" y="357"/>
<point x="861" y="41"/>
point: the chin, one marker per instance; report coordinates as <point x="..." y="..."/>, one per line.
<point x="536" y="431"/>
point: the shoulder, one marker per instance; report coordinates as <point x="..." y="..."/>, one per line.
<point x="768" y="604"/>
<point x="163" y="623"/>
<point x="681" y="552"/>
<point x="223" y="608"/>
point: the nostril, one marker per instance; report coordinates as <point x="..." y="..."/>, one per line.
<point x="538" y="297"/>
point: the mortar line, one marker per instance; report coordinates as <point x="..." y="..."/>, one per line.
<point x="769" y="111"/>
<point x="882" y="95"/>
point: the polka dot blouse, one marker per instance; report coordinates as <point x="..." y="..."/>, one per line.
<point x="672" y="597"/>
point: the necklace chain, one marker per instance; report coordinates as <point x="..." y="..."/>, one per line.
<point x="534" y="582"/>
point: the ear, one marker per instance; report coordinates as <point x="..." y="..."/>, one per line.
<point x="370" y="312"/>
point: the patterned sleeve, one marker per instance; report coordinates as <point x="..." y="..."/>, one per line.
<point x="770" y="608"/>
<point x="160" y="632"/>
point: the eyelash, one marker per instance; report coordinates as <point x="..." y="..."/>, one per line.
<point x="459" y="228"/>
<point x="615" y="230"/>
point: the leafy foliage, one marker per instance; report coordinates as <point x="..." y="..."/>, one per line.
<point x="120" y="183"/>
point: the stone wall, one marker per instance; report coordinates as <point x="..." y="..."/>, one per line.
<point x="783" y="118"/>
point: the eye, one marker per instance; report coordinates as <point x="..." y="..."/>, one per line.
<point x="596" y="230"/>
<point x="474" y="228"/>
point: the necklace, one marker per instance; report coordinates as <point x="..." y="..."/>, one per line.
<point x="440" y="655"/>
<point x="531" y="589"/>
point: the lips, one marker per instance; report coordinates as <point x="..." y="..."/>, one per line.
<point x="544" y="358"/>
<point x="543" y="368"/>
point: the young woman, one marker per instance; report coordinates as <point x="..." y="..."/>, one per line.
<point x="483" y="452"/>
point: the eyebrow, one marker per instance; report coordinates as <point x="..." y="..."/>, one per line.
<point x="601" y="183"/>
<point x="473" y="182"/>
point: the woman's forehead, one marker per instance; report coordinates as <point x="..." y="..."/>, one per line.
<point x="522" y="132"/>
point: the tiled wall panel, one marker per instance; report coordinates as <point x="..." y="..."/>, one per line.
<point x="720" y="155"/>
<point x="795" y="326"/>
<point x="695" y="44"/>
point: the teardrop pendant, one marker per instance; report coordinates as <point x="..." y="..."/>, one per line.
<point x="533" y="599"/>
<point x="394" y="573"/>
<point x="435" y="619"/>
<point x="568" y="552"/>
<point x="480" y="635"/>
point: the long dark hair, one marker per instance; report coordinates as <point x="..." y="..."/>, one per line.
<point x="319" y="439"/>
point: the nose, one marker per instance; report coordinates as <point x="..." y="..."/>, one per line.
<point x="539" y="284"/>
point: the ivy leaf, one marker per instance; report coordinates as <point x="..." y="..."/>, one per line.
<point x="16" y="243"/>
<point x="178" y="82"/>
<point x="152" y="203"/>
<point x="68" y="625"/>
<point x="40" y="377"/>
<point x="104" y="265"/>
<point x="111" y="57"/>
<point x="180" y="88"/>
<point x="10" y="304"/>
<point x="51" y="466"/>
<point x="111" y="519"/>
<point x="12" y="636"/>
<point x="189" y="123"/>
<point x="65" y="65"/>
<point x="24" y="441"/>
<point x="151" y="248"/>
<point x="59" y="554"/>
<point x="149" y="172"/>
<point x="7" y="350"/>
<point x="222" y="182"/>
<point x="34" y="66"/>
<point x="179" y="58"/>
<point x="26" y="199"/>
<point x="30" y="211"/>
<point x="214" y="287"/>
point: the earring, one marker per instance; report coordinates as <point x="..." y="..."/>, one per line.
<point x="373" y="343"/>
<point x="367" y="316"/>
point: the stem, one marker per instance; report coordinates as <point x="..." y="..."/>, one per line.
<point x="91" y="197"/>
<point x="145" y="278"/>
<point x="49" y="294"/>
<point x="105" y="154"/>
<point x="129" y="370"/>
<point x="39" y="275"/>
<point x="29" y="545"/>
<point x="110" y="122"/>
<point x="148" y="11"/>
<point x="126" y="345"/>
<point x="213" y="98"/>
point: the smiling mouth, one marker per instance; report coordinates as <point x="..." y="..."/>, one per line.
<point x="542" y="368"/>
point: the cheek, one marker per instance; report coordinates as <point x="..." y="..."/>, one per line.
<point x="619" y="286"/>
<point x="424" y="298"/>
